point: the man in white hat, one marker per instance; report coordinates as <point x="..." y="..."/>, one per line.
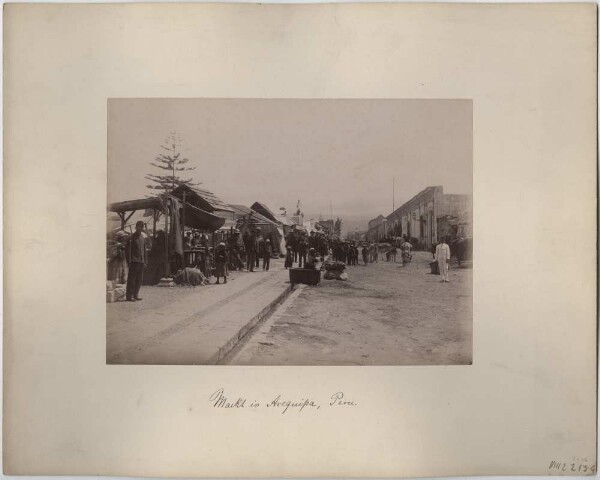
<point x="442" y="255"/>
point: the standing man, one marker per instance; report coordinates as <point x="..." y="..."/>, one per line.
<point x="323" y="247"/>
<point x="250" y="244"/>
<point x="302" y="250"/>
<point x="442" y="255"/>
<point x="259" y="241"/>
<point x="137" y="259"/>
<point x="246" y="242"/>
<point x="234" y="254"/>
<point x="312" y="240"/>
<point x="267" y="251"/>
<point x="365" y="254"/>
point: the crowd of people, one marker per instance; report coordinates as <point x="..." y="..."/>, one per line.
<point x="245" y="252"/>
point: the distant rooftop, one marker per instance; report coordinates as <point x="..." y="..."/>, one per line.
<point x="256" y="218"/>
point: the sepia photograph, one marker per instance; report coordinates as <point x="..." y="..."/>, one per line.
<point x="333" y="240"/>
<point x="289" y="232"/>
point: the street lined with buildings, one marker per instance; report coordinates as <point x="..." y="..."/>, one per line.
<point x="426" y="218"/>
<point x="374" y="298"/>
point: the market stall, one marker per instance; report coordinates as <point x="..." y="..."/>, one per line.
<point x="170" y="216"/>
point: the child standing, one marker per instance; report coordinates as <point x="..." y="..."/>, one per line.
<point x="221" y="262"/>
<point x="267" y="251"/>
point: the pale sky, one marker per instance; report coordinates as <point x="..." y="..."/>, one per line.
<point x="278" y="151"/>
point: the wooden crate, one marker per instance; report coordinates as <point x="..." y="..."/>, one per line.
<point x="308" y="276"/>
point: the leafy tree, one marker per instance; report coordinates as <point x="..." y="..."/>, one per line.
<point x="172" y="162"/>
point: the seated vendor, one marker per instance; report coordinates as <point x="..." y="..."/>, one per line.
<point x="312" y="259"/>
<point x="204" y="241"/>
<point x="196" y="240"/>
<point x="188" y="240"/>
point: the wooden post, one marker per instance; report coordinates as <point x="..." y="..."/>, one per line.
<point x="154" y="223"/>
<point x="213" y="254"/>
<point x="183" y="213"/>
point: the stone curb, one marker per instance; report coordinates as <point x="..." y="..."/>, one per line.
<point x="225" y="349"/>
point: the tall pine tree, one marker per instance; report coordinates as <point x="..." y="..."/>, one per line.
<point x="171" y="162"/>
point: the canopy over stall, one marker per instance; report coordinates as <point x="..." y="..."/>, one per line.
<point x="177" y="215"/>
<point x="206" y="201"/>
<point x="264" y="211"/>
<point x="202" y="199"/>
<point x="242" y="212"/>
<point x="247" y="217"/>
<point x="126" y="209"/>
<point x="193" y="216"/>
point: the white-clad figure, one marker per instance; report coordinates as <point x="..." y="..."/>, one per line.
<point x="442" y="255"/>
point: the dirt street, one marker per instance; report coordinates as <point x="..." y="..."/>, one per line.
<point x="386" y="314"/>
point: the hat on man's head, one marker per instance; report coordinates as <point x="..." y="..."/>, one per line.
<point x="139" y="223"/>
<point x="221" y="244"/>
<point x="268" y="241"/>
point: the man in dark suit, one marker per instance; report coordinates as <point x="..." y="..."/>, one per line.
<point x="137" y="259"/>
<point x="312" y="240"/>
<point x="259" y="241"/>
<point x="250" y="244"/>
<point x="302" y="247"/>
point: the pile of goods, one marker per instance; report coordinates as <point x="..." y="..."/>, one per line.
<point x="114" y="291"/>
<point x="335" y="270"/>
<point x="190" y="276"/>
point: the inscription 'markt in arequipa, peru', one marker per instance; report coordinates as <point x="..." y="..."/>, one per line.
<point x="219" y="400"/>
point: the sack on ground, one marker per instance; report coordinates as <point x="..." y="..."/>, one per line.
<point x="190" y="276"/>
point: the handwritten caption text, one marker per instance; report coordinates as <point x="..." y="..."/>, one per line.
<point x="219" y="399"/>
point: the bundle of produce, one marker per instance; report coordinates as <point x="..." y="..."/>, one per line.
<point x="335" y="275"/>
<point x="334" y="266"/>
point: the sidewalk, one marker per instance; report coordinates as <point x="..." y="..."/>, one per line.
<point x="200" y="327"/>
